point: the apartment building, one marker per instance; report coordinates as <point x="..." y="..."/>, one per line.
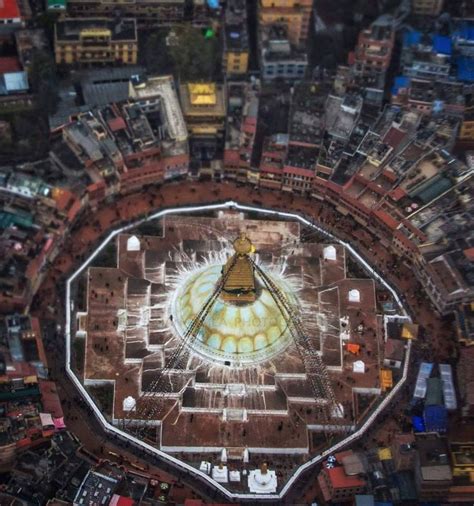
<point x="92" y="41"/>
<point x="242" y="112"/>
<point x="294" y="14"/>
<point x="279" y="58"/>
<point x="236" y="42"/>
<point x="338" y="486"/>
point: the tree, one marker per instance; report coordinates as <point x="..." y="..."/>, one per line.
<point x="195" y="56"/>
<point x="44" y="81"/>
<point x="156" y="55"/>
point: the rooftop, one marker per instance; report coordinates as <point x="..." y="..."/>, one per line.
<point x="76" y="29"/>
<point x="203" y="99"/>
<point x="9" y="9"/>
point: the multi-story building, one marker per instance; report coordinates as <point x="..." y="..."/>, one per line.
<point x="374" y="46"/>
<point x="371" y="58"/>
<point x="95" y="41"/>
<point x="466" y="132"/>
<point x="403" y="451"/>
<point x="279" y="59"/>
<point x="146" y="12"/>
<point x="11" y="18"/>
<point x="426" y="57"/>
<point x="236" y="43"/>
<point x="295" y="14"/>
<point x="272" y="161"/>
<point x="465" y="323"/>
<point x="462" y="458"/>
<point x="465" y="377"/>
<point x="204" y="109"/>
<point x="242" y="112"/>
<point x="427" y="7"/>
<point x="433" y="473"/>
<point x="337" y="486"/>
<point x="133" y="143"/>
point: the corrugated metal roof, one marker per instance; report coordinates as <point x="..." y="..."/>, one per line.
<point x="423" y="373"/>
<point x="15" y="82"/>
<point x="449" y="392"/>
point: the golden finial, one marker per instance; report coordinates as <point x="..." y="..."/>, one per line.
<point x="243" y="245"/>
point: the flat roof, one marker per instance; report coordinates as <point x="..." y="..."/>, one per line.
<point x="9" y="9"/>
<point x="340" y="479"/>
<point x="70" y="29"/>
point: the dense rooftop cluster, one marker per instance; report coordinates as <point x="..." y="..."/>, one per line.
<point x="383" y="136"/>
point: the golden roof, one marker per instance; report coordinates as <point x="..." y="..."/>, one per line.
<point x="202" y="93"/>
<point x="240" y="283"/>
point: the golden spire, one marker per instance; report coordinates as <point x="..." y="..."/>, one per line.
<point x="240" y="283"/>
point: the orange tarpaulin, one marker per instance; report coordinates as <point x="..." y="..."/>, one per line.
<point x="353" y="348"/>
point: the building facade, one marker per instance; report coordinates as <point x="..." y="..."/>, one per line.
<point x="295" y="14"/>
<point x="204" y="109"/>
<point x="147" y="12"/>
<point x="95" y="41"/>
<point x="236" y="44"/>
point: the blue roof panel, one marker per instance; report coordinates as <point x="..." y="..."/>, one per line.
<point x="442" y="44"/>
<point x="436" y="418"/>
<point x="465" y="69"/>
<point x="400" y="82"/>
<point x="465" y="32"/>
<point x="411" y="38"/>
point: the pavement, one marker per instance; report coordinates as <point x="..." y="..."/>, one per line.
<point x="436" y="344"/>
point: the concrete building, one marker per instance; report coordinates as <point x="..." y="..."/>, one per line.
<point x="242" y="112"/>
<point x="204" y="109"/>
<point x="371" y="59"/>
<point x="462" y="458"/>
<point x="147" y="12"/>
<point x="425" y="56"/>
<point x="433" y="473"/>
<point x="337" y="486"/>
<point x="374" y="47"/>
<point x="427" y="7"/>
<point x="466" y="132"/>
<point x="236" y="43"/>
<point x="403" y="451"/>
<point x="295" y="14"/>
<point x="272" y="161"/>
<point x="88" y="41"/>
<point x="464" y="314"/>
<point x="279" y="58"/>
<point x="465" y="377"/>
<point x="11" y="18"/>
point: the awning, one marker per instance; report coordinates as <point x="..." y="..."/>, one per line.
<point x="59" y="423"/>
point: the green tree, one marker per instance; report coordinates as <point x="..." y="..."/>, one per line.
<point x="156" y="55"/>
<point x="195" y="56"/>
<point x="44" y="81"/>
